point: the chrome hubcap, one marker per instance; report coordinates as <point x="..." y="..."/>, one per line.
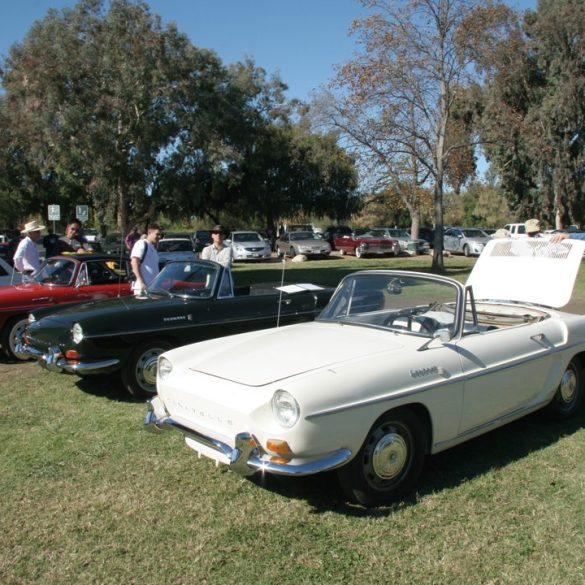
<point x="16" y="337"/>
<point x="389" y="456"/>
<point x="568" y="385"/>
<point x="146" y="368"/>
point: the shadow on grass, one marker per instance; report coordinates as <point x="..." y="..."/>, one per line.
<point x="109" y="387"/>
<point x="449" y="469"/>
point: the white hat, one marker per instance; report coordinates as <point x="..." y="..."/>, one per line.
<point x="501" y="233"/>
<point x="531" y="226"/>
<point x="32" y="226"/>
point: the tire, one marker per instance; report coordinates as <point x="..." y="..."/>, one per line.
<point x="390" y="460"/>
<point x="359" y="252"/>
<point x="139" y="372"/>
<point x="292" y="253"/>
<point x="569" y="395"/>
<point x="466" y="251"/>
<point x="341" y="252"/>
<point x="279" y="253"/>
<point x="13" y="329"/>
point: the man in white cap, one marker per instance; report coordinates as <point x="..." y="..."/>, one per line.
<point x="26" y="257"/>
<point x="532" y="227"/>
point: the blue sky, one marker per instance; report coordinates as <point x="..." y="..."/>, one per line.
<point x="302" y="40"/>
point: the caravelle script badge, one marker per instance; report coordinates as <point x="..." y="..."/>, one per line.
<point x="420" y="373"/>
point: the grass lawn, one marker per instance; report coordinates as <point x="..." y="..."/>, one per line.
<point x="90" y="497"/>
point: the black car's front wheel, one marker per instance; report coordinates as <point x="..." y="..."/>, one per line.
<point x="139" y="373"/>
<point x="390" y="460"/>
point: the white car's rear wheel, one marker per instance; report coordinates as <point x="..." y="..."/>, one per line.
<point x="569" y="394"/>
<point x="390" y="460"/>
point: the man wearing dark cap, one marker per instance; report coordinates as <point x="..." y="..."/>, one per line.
<point x="218" y="252"/>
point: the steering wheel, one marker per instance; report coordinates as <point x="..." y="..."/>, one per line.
<point x="423" y="324"/>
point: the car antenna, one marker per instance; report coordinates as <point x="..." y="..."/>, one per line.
<point x="280" y="297"/>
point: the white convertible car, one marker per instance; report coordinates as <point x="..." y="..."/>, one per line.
<point x="399" y="365"/>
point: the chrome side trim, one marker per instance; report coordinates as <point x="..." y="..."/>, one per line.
<point x="247" y="456"/>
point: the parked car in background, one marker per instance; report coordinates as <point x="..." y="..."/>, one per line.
<point x="202" y="238"/>
<point x="9" y="240"/>
<point x="516" y="230"/>
<point x="467" y="241"/>
<point x="399" y="365"/>
<point x="187" y="302"/>
<point x="172" y="249"/>
<point x="366" y="245"/>
<point x="335" y="231"/>
<point x="249" y="245"/>
<point x="407" y="244"/>
<point x="93" y="238"/>
<point x="62" y="279"/>
<point x="113" y="244"/>
<point x="180" y="235"/>
<point x="308" y="244"/>
<point x="428" y="235"/>
<point x="8" y="274"/>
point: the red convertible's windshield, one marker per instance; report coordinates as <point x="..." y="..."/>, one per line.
<point x="57" y="271"/>
<point x="397" y="302"/>
<point x="187" y="279"/>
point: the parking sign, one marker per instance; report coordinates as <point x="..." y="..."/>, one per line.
<point x="82" y="212"/>
<point x="54" y="212"/>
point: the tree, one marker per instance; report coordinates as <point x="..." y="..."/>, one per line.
<point x="400" y="93"/>
<point x="533" y="121"/>
<point x="100" y="98"/>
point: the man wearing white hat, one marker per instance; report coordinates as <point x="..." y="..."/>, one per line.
<point x="26" y="257"/>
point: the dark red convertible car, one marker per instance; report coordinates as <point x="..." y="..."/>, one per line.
<point x="366" y="245"/>
<point x="62" y="279"/>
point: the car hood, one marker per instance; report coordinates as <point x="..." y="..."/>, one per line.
<point x="527" y="271"/>
<point x="263" y="357"/>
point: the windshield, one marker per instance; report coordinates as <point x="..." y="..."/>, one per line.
<point x="57" y="271"/>
<point x="246" y="237"/>
<point x="175" y="246"/>
<point x="295" y="236"/>
<point x="474" y="234"/>
<point x="187" y="279"/>
<point x="394" y="301"/>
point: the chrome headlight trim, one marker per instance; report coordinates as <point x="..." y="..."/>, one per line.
<point x="77" y="333"/>
<point x="285" y="408"/>
<point x="164" y="367"/>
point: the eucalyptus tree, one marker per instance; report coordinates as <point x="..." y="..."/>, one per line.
<point x="534" y="117"/>
<point x="100" y="97"/>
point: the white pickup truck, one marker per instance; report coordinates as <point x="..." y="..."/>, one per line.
<point x="517" y="230"/>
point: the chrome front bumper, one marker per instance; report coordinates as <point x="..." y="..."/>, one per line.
<point x="247" y="456"/>
<point x="54" y="361"/>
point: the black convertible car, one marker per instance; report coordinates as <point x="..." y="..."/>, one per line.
<point x="187" y="302"/>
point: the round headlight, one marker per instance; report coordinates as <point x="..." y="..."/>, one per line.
<point x="165" y="367"/>
<point x="285" y="408"/>
<point x="77" y="333"/>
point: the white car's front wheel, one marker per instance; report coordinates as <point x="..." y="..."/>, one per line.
<point x="389" y="462"/>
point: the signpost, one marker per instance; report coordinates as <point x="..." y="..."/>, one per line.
<point x="54" y="214"/>
<point x="82" y="212"/>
